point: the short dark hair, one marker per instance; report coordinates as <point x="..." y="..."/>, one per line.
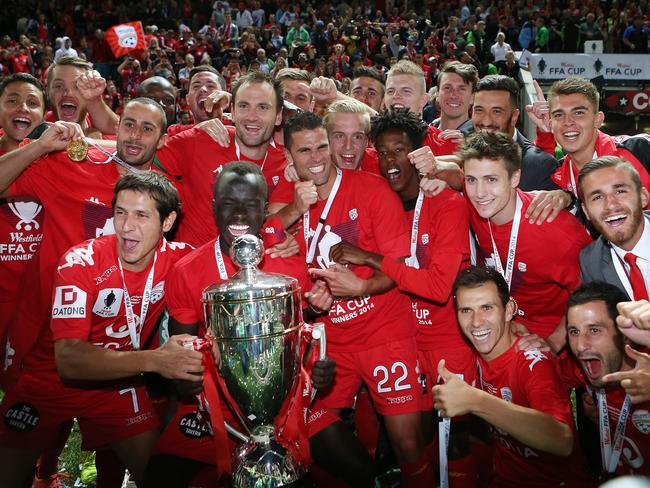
<point x="575" y="84"/>
<point x="598" y="291"/>
<point x="151" y="102"/>
<point x="206" y="68"/>
<point x="476" y="276"/>
<point x="467" y="72"/>
<point x="259" y="78"/>
<point x="494" y="146"/>
<point x="400" y="119"/>
<point x="609" y="162"/>
<point x="500" y="83"/>
<point x="154" y="184"/>
<point x="23" y="78"/>
<point x="368" y="72"/>
<point x="298" y="122"/>
<point x="242" y="169"/>
<point x="67" y="61"/>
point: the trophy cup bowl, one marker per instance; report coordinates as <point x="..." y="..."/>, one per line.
<point x="256" y="319"/>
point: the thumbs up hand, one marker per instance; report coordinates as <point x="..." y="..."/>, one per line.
<point x="636" y="382"/>
<point x="454" y="397"/>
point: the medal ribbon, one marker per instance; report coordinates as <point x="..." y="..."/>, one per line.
<point x="512" y="246"/>
<point x="611" y="455"/>
<point x="110" y="156"/>
<point x="266" y="155"/>
<point x="321" y="221"/>
<point x="412" y="260"/>
<point x="134" y="331"/>
<point x="221" y="265"/>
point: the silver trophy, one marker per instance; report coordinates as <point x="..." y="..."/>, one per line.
<point x="256" y="321"/>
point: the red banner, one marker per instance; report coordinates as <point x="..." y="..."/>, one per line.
<point x="126" y="38"/>
<point x="629" y="101"/>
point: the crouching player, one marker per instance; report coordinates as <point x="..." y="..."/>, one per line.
<point x="521" y="396"/>
<point x="108" y="297"/>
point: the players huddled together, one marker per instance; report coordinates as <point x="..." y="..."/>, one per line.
<point x="469" y="282"/>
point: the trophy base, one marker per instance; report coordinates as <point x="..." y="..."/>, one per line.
<point x="263" y="462"/>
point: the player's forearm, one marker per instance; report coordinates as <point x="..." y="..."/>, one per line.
<point x="102" y="116"/>
<point x="288" y="214"/>
<point x="15" y="162"/>
<point x="79" y="360"/>
<point x="529" y="426"/>
<point x="377" y="283"/>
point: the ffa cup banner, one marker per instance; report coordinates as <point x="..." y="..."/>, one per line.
<point x="610" y="66"/>
<point x="629" y="101"/>
<point x="125" y="38"/>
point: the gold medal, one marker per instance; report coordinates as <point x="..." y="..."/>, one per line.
<point x="77" y="150"/>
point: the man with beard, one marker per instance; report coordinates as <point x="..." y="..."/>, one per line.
<point x="239" y="206"/>
<point x="76" y="197"/>
<point x="613" y="201"/>
<point x="603" y="361"/>
<point x="368" y="87"/>
<point x="162" y="91"/>
<point x="85" y="366"/>
<point x="197" y="159"/>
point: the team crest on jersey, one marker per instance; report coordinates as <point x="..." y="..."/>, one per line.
<point x="641" y="420"/>
<point x="353" y="214"/>
<point x="22" y="417"/>
<point x="521" y="267"/>
<point x="506" y="394"/>
<point x="275" y="180"/>
<point x="157" y="292"/>
<point x="108" y="302"/>
<point x="425" y="239"/>
<point x="69" y="303"/>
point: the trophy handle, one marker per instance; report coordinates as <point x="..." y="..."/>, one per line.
<point x="318" y="333"/>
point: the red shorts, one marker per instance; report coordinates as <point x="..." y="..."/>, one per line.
<point x="460" y="361"/>
<point x="34" y="410"/>
<point x="189" y="433"/>
<point x="389" y="371"/>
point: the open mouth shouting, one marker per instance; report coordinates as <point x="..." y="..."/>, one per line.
<point x="592" y="366"/>
<point x="68" y="110"/>
<point x="23" y="124"/>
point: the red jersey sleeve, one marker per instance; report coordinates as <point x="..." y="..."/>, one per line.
<point x="179" y="150"/>
<point x="72" y="301"/>
<point x="181" y="304"/>
<point x="439" y="146"/>
<point x="283" y="193"/>
<point x="542" y="385"/>
<point x="545" y="141"/>
<point x="390" y="227"/>
<point x="450" y="248"/>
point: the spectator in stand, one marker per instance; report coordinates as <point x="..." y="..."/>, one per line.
<point x="636" y="36"/>
<point x="244" y="18"/>
<point x="65" y="50"/>
<point x="542" y="38"/>
<point x="527" y="35"/>
<point x="589" y="29"/>
<point x="228" y="33"/>
<point x="499" y="49"/>
<point x="510" y="67"/>
<point x="184" y="72"/>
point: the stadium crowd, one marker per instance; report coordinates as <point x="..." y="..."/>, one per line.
<point x="485" y="303"/>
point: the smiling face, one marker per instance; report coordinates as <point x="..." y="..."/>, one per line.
<point x="297" y="92"/>
<point x="310" y="154"/>
<point x="454" y="96"/>
<point x="493" y="111"/>
<point x="393" y="147"/>
<point x="484" y="320"/>
<point x="575" y="125"/>
<point x="594" y="340"/>
<point x="614" y="205"/>
<point x="368" y="90"/>
<point x="21" y="110"/>
<point x="239" y="206"/>
<point x="405" y="91"/>
<point x="348" y="139"/>
<point x="67" y="102"/>
<point x="255" y="114"/>
<point x="490" y="189"/>
<point x="139" y="134"/>
<point x="202" y="84"/>
<point x="138" y="228"/>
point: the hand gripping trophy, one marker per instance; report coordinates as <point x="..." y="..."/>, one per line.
<point x="255" y="320"/>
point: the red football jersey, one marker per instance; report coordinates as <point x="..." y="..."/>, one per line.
<point x="367" y="214"/>
<point x="442" y="251"/>
<point x="530" y="379"/>
<point x="439" y="146"/>
<point x="196" y="272"/>
<point x="196" y="158"/>
<point x="636" y="440"/>
<point x="546" y="269"/>
<point x="88" y="300"/>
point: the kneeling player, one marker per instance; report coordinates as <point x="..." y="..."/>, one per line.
<point x="521" y="394"/>
<point x="108" y="296"/>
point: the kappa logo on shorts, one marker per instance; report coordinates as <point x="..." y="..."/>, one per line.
<point x="22" y="417"/>
<point x="641" y="420"/>
<point x="108" y="302"/>
<point x="194" y="425"/>
<point x="69" y="303"/>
